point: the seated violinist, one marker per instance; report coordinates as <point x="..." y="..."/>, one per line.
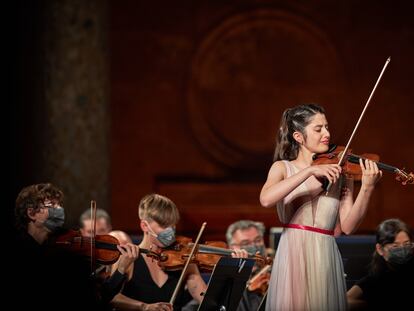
<point x="150" y="287"/>
<point x="42" y="268"/>
<point x="39" y="269"/>
<point x="248" y="235"/>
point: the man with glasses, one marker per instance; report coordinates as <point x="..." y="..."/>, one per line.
<point x="43" y="274"/>
<point x="46" y="276"/>
<point x="248" y="235"/>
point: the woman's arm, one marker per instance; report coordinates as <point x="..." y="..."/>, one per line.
<point x="354" y="297"/>
<point x="122" y="302"/>
<point x="195" y="283"/>
<point x="352" y="213"/>
<point x="277" y="186"/>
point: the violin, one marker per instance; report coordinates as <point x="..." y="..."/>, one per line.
<point x="104" y="247"/>
<point x="205" y="257"/>
<point x="351" y="167"/>
<point x="259" y="283"/>
<point x="343" y="156"/>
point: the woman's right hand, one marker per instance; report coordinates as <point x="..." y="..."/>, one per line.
<point x="328" y="171"/>
<point x="158" y="306"/>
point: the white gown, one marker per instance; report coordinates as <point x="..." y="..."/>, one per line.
<point x="307" y="272"/>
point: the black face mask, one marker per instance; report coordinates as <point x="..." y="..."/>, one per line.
<point x="400" y="255"/>
<point x="56" y="218"/>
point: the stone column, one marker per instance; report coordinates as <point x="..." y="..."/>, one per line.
<point x="75" y="120"/>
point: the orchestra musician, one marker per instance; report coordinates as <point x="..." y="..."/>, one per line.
<point x="248" y="235"/>
<point x="46" y="276"/>
<point x="41" y="270"/>
<point x="150" y="287"/>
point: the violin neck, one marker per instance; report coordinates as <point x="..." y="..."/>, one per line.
<point x="382" y="166"/>
<point x="113" y="247"/>
<point x="105" y="245"/>
<point x="206" y="249"/>
<point x="145" y="251"/>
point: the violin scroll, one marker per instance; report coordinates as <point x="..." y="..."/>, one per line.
<point x="404" y="178"/>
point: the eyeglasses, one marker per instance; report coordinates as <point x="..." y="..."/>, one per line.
<point x="49" y="203"/>
<point x="256" y="242"/>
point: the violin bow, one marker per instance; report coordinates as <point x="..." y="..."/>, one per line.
<point x="342" y="159"/>
<point x="174" y="295"/>
<point x="93" y="232"/>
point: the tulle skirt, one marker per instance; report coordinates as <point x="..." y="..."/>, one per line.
<point x="307" y="273"/>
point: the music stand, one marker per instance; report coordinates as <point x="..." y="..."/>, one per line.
<point x="227" y="283"/>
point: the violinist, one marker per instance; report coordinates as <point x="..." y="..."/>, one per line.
<point x="308" y="272"/>
<point x="248" y="235"/>
<point x="43" y="276"/>
<point x="150" y="287"/>
<point x="43" y="270"/>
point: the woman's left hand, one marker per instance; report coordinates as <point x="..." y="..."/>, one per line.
<point x="370" y="173"/>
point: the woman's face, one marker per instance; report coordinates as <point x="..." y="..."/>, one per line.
<point x="317" y="135"/>
<point x="402" y="239"/>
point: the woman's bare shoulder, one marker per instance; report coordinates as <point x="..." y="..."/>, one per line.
<point x="278" y="168"/>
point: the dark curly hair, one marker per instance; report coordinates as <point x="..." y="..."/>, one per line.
<point x="34" y="196"/>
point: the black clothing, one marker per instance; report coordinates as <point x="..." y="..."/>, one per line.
<point x="141" y="286"/>
<point x="48" y="278"/>
<point x="112" y="286"/>
<point x="391" y="287"/>
<point x="45" y="277"/>
<point x="250" y="301"/>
